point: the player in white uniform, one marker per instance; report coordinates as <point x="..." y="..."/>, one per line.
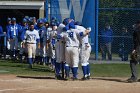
<point x="52" y="39"/>
<point x="60" y="53"/>
<point x="71" y="50"/>
<point x="85" y="50"/>
<point x="48" y="46"/>
<point x="31" y="38"/>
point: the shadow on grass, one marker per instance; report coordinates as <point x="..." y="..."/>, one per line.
<point x="109" y="79"/>
<point x="36" y="77"/>
<point x="41" y="69"/>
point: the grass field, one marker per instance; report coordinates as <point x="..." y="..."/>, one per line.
<point x="97" y="70"/>
<point x="110" y="70"/>
<point x="10" y="67"/>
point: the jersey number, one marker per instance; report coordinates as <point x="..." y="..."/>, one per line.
<point x="71" y="34"/>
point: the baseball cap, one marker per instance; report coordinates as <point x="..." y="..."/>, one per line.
<point x="13" y="19"/>
<point x="24" y="20"/>
<point x="8" y="19"/>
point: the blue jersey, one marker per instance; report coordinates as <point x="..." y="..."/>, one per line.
<point x="106" y="35"/>
<point x="13" y="31"/>
<point x="22" y="32"/>
<point x="7" y="27"/>
<point x="42" y="32"/>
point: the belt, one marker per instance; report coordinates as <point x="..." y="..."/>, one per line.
<point x="85" y="44"/>
<point x="30" y="43"/>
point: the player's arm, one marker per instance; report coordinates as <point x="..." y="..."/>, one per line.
<point x="38" y="40"/>
<point x="84" y="33"/>
<point x="8" y="34"/>
<point x="24" y="40"/>
<point x="38" y="44"/>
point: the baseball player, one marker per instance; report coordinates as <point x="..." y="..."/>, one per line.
<point x="43" y="41"/>
<point x="72" y="49"/>
<point x="48" y="50"/>
<point x="41" y="29"/>
<point x="31" y="38"/>
<point x="52" y="40"/>
<point x="22" y="31"/>
<point x="7" y="27"/>
<point x="60" y="53"/>
<point x="85" y="50"/>
<point x="12" y="35"/>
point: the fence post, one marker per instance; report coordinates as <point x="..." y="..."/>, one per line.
<point x="96" y="28"/>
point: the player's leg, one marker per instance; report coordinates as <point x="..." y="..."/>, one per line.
<point x="53" y="59"/>
<point x="48" y="54"/>
<point x="88" y="51"/>
<point x="26" y="52"/>
<point x="21" y="52"/>
<point x="83" y="62"/>
<point x="15" y="47"/>
<point x="37" y="58"/>
<point x="41" y="52"/>
<point x="103" y="51"/>
<point x="44" y="54"/>
<point x="30" y="50"/>
<point x="109" y="51"/>
<point x="11" y="48"/>
<point x="33" y="52"/>
<point x="68" y="61"/>
<point x="75" y="61"/>
<point x="62" y="58"/>
<point x="58" y="62"/>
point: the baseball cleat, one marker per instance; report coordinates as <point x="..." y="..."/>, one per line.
<point x="58" y="77"/>
<point x="88" y="77"/>
<point x="131" y="80"/>
<point x="84" y="78"/>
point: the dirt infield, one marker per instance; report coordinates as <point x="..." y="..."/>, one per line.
<point x="24" y="84"/>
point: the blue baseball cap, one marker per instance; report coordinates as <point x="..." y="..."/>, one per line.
<point x="40" y="21"/>
<point x="66" y="21"/>
<point x="13" y="19"/>
<point x="45" y="20"/>
<point x="8" y="19"/>
<point x="24" y="20"/>
<point x="71" y="25"/>
<point x="53" y="18"/>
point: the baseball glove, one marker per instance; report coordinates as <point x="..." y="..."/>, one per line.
<point x="134" y="56"/>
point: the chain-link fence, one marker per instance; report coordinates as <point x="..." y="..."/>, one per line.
<point x="119" y="17"/>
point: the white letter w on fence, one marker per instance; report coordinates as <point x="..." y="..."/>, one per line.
<point x="78" y="10"/>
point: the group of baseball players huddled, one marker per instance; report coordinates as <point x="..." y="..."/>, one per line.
<point x="64" y="44"/>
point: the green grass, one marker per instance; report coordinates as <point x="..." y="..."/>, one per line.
<point x="111" y="70"/>
<point x="10" y="67"/>
<point x="97" y="70"/>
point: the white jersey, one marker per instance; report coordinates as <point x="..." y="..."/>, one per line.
<point x="48" y="32"/>
<point x="31" y="36"/>
<point x="52" y="36"/>
<point x="60" y="28"/>
<point x="71" y="38"/>
<point x="84" y="38"/>
<point x="60" y="45"/>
